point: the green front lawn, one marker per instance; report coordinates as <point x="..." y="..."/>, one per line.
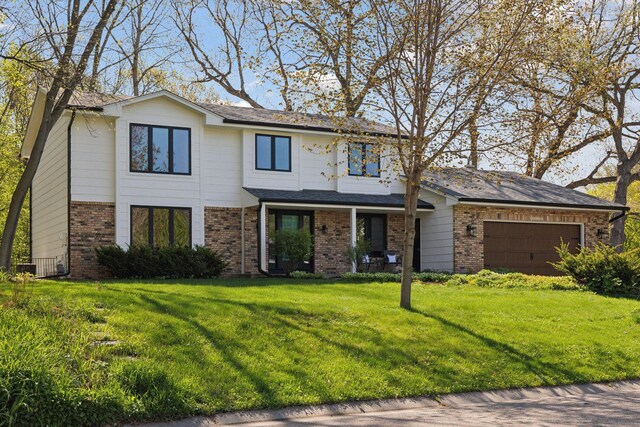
<point x="198" y="347"/>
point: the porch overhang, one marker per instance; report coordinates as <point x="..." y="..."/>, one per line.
<point x="326" y="199"/>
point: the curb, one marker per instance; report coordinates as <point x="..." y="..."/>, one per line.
<point x="384" y="405"/>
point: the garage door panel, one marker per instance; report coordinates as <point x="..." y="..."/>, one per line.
<point x="527" y="247"/>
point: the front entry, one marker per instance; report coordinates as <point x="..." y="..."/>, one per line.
<point x="288" y="220"/>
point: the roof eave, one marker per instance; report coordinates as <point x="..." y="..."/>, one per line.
<point x="305" y="127"/>
<point x="543" y="204"/>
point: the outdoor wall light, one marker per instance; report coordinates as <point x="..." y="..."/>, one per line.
<point x="601" y="232"/>
<point x="324" y="228"/>
<point x="471" y="230"/>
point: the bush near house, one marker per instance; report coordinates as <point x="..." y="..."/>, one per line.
<point x="147" y="262"/>
<point x="493" y="279"/>
<point x="382" y="277"/>
<point x="292" y="247"/>
<point x="602" y="270"/>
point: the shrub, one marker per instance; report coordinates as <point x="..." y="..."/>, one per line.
<point x="437" y="277"/>
<point x="4" y="276"/>
<point x="357" y="252"/>
<point x="305" y="275"/>
<point x="292" y="247"/>
<point x="602" y="269"/>
<point x="148" y="262"/>
<point x="491" y="279"/>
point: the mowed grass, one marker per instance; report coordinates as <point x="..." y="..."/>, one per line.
<point x="237" y="344"/>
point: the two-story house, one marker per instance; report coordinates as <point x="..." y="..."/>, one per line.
<point x="158" y="169"/>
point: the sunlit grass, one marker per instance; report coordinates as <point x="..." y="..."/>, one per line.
<point x="237" y="344"/>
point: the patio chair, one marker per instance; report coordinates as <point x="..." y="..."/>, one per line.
<point x="391" y="260"/>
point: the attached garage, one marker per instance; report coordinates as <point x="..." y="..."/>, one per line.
<point x="527" y="247"/>
<point x="496" y="219"/>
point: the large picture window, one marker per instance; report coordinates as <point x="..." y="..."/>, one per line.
<point x="273" y="153"/>
<point x="160" y="149"/>
<point x="363" y="160"/>
<point x="159" y="226"/>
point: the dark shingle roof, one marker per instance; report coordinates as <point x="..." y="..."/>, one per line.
<point x="255" y="116"/>
<point x="473" y="185"/>
<point x="293" y="120"/>
<point x="94" y="100"/>
<point x="326" y="197"/>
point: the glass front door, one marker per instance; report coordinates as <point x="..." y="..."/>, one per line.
<point x="288" y="220"/>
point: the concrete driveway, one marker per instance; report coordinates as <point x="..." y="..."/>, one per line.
<point x="589" y="404"/>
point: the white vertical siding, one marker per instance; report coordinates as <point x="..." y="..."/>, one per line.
<point x="49" y="197"/>
<point x="436" y="233"/>
<point x="148" y="189"/>
<point x="281" y="180"/>
<point x="222" y="167"/>
<point x="93" y="158"/>
<point x="318" y="160"/>
<point x="359" y="184"/>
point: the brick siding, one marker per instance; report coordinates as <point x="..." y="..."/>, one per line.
<point x="92" y="225"/>
<point x="395" y="232"/>
<point x="469" y="251"/>
<point x="330" y="246"/>
<point x="223" y="233"/>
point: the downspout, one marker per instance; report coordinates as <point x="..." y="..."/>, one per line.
<point x="31" y="222"/>
<point x="266" y="273"/>
<point x="69" y="129"/>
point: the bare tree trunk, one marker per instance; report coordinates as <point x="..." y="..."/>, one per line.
<point x="412" y="191"/>
<point x="22" y="189"/>
<point x="67" y="77"/>
<point x="617" y="235"/>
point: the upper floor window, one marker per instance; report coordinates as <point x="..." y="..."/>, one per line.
<point x="363" y="160"/>
<point x="273" y="153"/>
<point x="159" y="226"/>
<point x="160" y="149"/>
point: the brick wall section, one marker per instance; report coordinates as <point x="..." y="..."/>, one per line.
<point x="331" y="246"/>
<point x="222" y="233"/>
<point x="395" y="232"/>
<point x="251" y="241"/>
<point x="92" y="225"/>
<point x="469" y="251"/>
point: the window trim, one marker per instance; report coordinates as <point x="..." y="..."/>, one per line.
<point x="273" y="152"/>
<point x="363" y="154"/>
<point x="150" y="222"/>
<point x="150" y="149"/>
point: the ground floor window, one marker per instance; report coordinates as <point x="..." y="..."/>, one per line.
<point x="373" y="227"/>
<point x="280" y="219"/>
<point x="160" y="226"/>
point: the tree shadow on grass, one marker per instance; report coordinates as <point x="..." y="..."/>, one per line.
<point x="547" y="372"/>
<point x="225" y="283"/>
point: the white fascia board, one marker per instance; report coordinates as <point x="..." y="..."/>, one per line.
<point x="33" y="126"/>
<point x="284" y="129"/>
<point x="321" y="206"/>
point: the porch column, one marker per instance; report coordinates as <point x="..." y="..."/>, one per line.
<point x="263" y="238"/>
<point x="354" y="235"/>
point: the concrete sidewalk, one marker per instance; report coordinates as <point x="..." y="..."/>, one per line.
<point x="588" y="404"/>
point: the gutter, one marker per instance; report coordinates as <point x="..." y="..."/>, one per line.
<point x="469" y="200"/>
<point x="266" y="273"/>
<point x="619" y="216"/>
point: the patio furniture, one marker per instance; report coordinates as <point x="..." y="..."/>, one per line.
<point x="391" y="260"/>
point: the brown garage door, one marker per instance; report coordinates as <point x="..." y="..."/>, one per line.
<point x="526" y="247"/>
